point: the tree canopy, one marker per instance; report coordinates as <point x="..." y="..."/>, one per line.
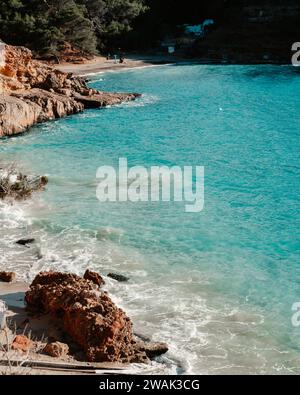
<point x="85" y="24"/>
<point x="98" y="25"/>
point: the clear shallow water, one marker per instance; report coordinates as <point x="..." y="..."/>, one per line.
<point x="218" y="286"/>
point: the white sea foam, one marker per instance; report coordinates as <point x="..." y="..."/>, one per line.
<point x="122" y="70"/>
<point x="145" y="100"/>
<point x="204" y="332"/>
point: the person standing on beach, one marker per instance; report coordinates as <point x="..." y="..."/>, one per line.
<point x="122" y="57"/>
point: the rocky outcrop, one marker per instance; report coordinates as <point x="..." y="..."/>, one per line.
<point x="94" y="277"/>
<point x="16" y="116"/>
<point x="102" y="99"/>
<point x="87" y="314"/>
<point x="90" y="318"/>
<point x="50" y="105"/>
<point x="8" y="84"/>
<point x="33" y="92"/>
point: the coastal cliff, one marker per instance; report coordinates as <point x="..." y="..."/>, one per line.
<point x="32" y="92"/>
<point x="69" y="319"/>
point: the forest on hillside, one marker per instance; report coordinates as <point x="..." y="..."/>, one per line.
<point x="95" y="26"/>
<point x="45" y="25"/>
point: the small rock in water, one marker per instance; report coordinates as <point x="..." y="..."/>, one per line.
<point x="25" y="242"/>
<point x="118" y="277"/>
<point x="94" y="277"/>
<point x="21" y="343"/>
<point x="7" y="277"/>
<point x="153" y="350"/>
<point x="56" y="350"/>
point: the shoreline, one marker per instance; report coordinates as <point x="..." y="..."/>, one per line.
<point x="41" y="329"/>
<point x="33" y="92"/>
<point x="100" y="65"/>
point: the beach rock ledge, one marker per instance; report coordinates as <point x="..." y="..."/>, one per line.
<point x="89" y="316"/>
<point x="32" y="92"/>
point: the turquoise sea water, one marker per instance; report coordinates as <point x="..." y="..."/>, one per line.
<point x="218" y="286"/>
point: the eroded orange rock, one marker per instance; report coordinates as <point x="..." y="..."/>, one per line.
<point x="87" y="314"/>
<point x="94" y="277"/>
<point x="42" y="93"/>
<point x="22" y="343"/>
<point x="56" y="350"/>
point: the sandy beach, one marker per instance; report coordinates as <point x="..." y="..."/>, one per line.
<point x="101" y="64"/>
<point x="38" y="329"/>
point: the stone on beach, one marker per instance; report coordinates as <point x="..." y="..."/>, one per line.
<point x="87" y="314"/>
<point x="21" y="343"/>
<point x="7" y="277"/>
<point x="56" y="350"/>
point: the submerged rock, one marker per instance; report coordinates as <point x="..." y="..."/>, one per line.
<point x="118" y="277"/>
<point x="88" y="315"/>
<point x="25" y="242"/>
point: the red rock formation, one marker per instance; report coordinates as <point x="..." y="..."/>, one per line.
<point x="104" y="99"/>
<point x="94" y="277"/>
<point x="88" y="315"/>
<point x="56" y="350"/>
<point x="33" y="92"/>
<point x="21" y="343"/>
<point x="50" y="105"/>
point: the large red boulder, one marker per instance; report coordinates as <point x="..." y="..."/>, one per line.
<point x="88" y="315"/>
